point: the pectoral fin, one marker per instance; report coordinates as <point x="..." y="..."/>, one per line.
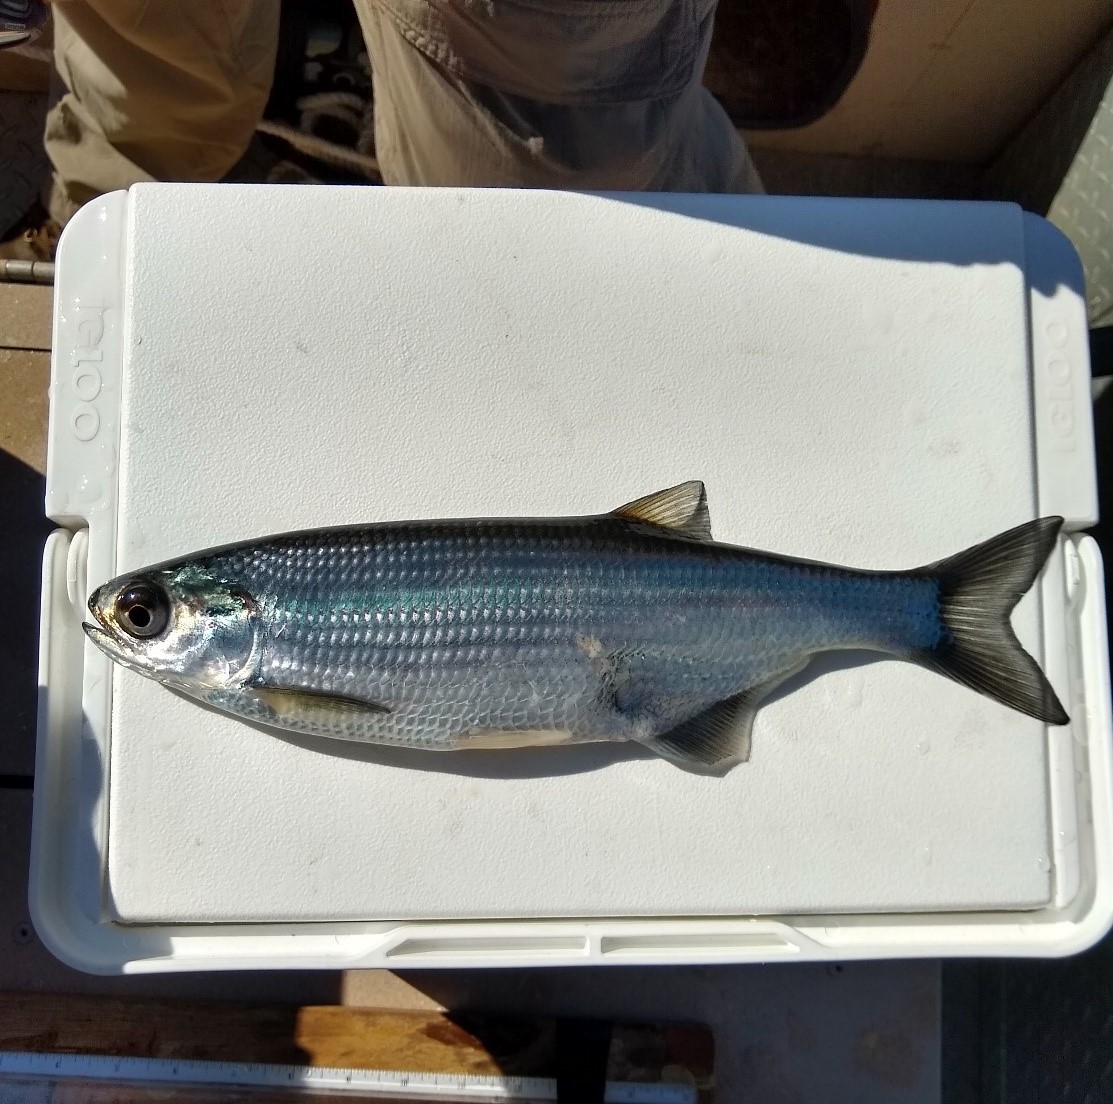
<point x="495" y="739"/>
<point x="287" y="703"/>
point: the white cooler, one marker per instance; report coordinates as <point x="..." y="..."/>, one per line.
<point x="878" y="384"/>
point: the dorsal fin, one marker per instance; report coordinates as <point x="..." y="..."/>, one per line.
<point x="682" y="508"/>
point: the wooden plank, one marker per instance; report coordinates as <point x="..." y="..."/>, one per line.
<point x="221" y="1032"/>
<point x="26" y="316"/>
<point x="333" y="1035"/>
<point x="68" y="1024"/>
<point x="24" y="379"/>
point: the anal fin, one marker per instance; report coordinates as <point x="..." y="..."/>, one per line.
<point x="720" y="735"/>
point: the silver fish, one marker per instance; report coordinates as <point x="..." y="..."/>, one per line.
<point x="632" y="625"/>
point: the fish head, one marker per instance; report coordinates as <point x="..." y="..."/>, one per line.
<point x="181" y="625"/>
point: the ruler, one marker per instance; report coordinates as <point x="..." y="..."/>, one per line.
<point x="21" y="1066"/>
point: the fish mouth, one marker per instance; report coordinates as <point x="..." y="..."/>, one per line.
<point x="110" y="644"/>
<point x="105" y="635"/>
<point x="102" y="628"/>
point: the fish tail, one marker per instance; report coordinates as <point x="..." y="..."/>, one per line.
<point x="978" y="589"/>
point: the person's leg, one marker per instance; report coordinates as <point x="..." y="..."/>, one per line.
<point x="154" y="90"/>
<point x="542" y="93"/>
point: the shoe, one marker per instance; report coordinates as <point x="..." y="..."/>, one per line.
<point x="21" y="21"/>
<point x="34" y="237"/>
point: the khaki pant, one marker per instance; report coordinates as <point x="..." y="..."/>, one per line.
<point x="588" y="94"/>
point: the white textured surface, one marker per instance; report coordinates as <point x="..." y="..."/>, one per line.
<point x="302" y="357"/>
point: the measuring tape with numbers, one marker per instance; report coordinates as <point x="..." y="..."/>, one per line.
<point x="449" y="1086"/>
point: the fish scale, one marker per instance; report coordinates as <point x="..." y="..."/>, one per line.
<point x="543" y="588"/>
<point x="633" y="625"/>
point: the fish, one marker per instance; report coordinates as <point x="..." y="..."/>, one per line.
<point x="633" y="625"/>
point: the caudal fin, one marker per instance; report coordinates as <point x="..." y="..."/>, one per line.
<point x="978" y="590"/>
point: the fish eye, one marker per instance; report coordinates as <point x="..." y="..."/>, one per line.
<point x="142" y="610"/>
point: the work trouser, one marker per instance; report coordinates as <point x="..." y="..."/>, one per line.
<point x="586" y="94"/>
